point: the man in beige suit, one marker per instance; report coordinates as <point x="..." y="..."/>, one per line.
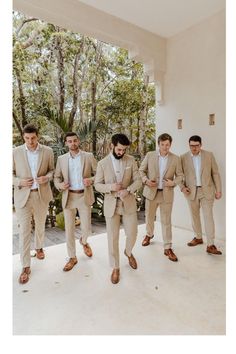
<point x="201" y="185"/>
<point x="117" y="176"/>
<point x="74" y="177"/>
<point x="160" y="172"/>
<point x="33" y="166"/>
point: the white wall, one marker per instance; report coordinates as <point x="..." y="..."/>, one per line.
<point x="194" y="87"/>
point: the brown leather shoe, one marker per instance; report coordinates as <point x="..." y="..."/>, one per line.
<point x="24" y="277"/>
<point x="87" y="248"/>
<point x="195" y="241"/>
<point x="115" y="276"/>
<point x="213" y="250"/>
<point x="40" y="253"/>
<point x="170" y="254"/>
<point x="69" y="265"/>
<point x="132" y="261"/>
<point x="147" y="240"/>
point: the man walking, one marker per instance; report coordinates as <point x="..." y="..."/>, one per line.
<point x="74" y="177"/>
<point x="33" y="166"/>
<point x="160" y="172"/>
<point x="118" y="177"/>
<point x="201" y="185"/>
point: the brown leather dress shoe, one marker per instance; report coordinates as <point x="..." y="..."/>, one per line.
<point x="115" y="276"/>
<point x="87" y="248"/>
<point x="170" y="254"/>
<point x="69" y="265"/>
<point x="195" y="241"/>
<point x="147" y="240"/>
<point x="213" y="250"/>
<point x="132" y="261"/>
<point x="24" y="277"/>
<point x="40" y="253"/>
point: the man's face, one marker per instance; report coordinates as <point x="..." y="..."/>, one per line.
<point x="73" y="143"/>
<point x="118" y="150"/>
<point x="164" y="147"/>
<point x="31" y="140"/>
<point x="195" y="147"/>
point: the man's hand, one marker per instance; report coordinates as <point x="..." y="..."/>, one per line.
<point x="27" y="182"/>
<point x="168" y="183"/>
<point x="186" y="190"/>
<point x="218" y="195"/>
<point x="116" y="187"/>
<point x="151" y="183"/>
<point x="64" y="186"/>
<point x="123" y="193"/>
<point x="87" y="182"/>
<point x="42" y="179"/>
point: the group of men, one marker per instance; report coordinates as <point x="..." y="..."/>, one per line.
<point x="118" y="177"/>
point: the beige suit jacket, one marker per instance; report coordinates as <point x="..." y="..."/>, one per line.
<point x="105" y="177"/>
<point x="89" y="166"/>
<point x="149" y="169"/>
<point x="210" y="176"/>
<point x="21" y="170"/>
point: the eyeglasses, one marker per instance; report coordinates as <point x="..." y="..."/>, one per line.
<point x="194" y="146"/>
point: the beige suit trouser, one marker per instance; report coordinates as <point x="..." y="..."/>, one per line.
<point x="76" y="201"/>
<point x="207" y="208"/>
<point x="130" y="223"/>
<point x="165" y="213"/>
<point x="36" y="208"/>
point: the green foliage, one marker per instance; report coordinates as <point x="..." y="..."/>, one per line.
<point x="60" y="221"/>
<point x="118" y="84"/>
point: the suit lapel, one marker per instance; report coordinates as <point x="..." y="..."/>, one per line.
<point x="82" y="161"/>
<point x="111" y="168"/>
<point x="27" y="166"/>
<point x="156" y="164"/>
<point x="202" y="160"/>
<point x="40" y="158"/>
<point x="125" y="163"/>
<point x="190" y="162"/>
<point x="65" y="167"/>
<point x="169" y="160"/>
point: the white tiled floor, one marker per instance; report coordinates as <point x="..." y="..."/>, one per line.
<point x="160" y="297"/>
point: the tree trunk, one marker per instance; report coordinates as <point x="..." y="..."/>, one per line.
<point x="22" y="97"/>
<point x="75" y="86"/>
<point x="143" y="117"/>
<point x="94" y="114"/>
<point x="17" y="122"/>
<point x="60" y="68"/>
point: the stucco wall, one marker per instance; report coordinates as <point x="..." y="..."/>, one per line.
<point x="194" y="87"/>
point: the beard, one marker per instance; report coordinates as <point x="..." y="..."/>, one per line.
<point x="117" y="156"/>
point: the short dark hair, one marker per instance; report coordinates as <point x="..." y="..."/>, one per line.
<point x="120" y="138"/>
<point x="30" y="128"/>
<point x="70" y="134"/>
<point x="164" y="137"/>
<point x="196" y="138"/>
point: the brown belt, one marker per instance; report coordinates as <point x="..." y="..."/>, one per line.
<point x="76" y="191"/>
<point x="160" y="190"/>
<point x="34" y="190"/>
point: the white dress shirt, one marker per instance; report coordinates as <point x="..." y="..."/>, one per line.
<point x="75" y="172"/>
<point x="197" y="167"/>
<point x="162" y="169"/>
<point x="32" y="156"/>
<point x="118" y="166"/>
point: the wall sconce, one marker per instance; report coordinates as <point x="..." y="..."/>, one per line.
<point x="179" y="123"/>
<point x="212" y="119"/>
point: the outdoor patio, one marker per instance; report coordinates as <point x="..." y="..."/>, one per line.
<point x="160" y="297"/>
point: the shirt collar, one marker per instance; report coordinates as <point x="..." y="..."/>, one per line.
<point x="74" y="157"/>
<point x="37" y="148"/>
<point x="199" y="154"/>
<point x="162" y="156"/>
